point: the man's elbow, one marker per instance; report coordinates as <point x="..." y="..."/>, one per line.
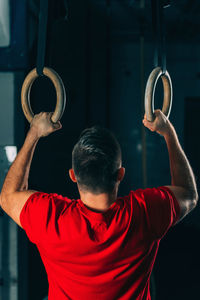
<point x="0" y="200"/>
<point x="194" y="199"/>
<point x="3" y="200"/>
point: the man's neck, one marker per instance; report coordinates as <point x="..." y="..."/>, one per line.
<point x="98" y="203"/>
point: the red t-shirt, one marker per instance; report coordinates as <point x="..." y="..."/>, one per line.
<point x="104" y="256"/>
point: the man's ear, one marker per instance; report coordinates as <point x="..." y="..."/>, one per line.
<point x="121" y="173"/>
<point x="72" y="175"/>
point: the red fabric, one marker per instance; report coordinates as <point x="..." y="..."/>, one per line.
<point x="103" y="256"/>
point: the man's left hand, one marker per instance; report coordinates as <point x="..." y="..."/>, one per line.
<point x="43" y="125"/>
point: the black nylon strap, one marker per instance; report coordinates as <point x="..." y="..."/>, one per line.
<point x="155" y="31"/>
<point x="159" y="32"/>
<point x="42" y="30"/>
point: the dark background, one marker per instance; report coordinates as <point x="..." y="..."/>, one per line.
<point x="103" y="50"/>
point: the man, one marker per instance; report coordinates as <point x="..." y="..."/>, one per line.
<point x="100" y="246"/>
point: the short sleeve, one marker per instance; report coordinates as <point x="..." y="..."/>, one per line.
<point x="40" y="214"/>
<point x="160" y="209"/>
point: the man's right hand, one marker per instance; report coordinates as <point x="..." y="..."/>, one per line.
<point x="161" y="124"/>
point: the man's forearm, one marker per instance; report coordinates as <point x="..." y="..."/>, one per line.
<point x="13" y="196"/>
<point x="181" y="171"/>
<point x="18" y="174"/>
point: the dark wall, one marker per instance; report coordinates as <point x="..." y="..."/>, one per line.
<point x="98" y="53"/>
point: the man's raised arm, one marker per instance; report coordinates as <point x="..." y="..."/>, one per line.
<point x="15" y="191"/>
<point x="183" y="183"/>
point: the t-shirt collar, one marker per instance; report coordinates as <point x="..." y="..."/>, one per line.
<point x="98" y="216"/>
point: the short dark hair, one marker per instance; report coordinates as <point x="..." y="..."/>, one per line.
<point x="96" y="158"/>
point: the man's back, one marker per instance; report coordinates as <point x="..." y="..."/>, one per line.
<point x="102" y="255"/>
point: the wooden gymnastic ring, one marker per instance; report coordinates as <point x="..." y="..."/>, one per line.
<point x="150" y="90"/>
<point x="60" y="94"/>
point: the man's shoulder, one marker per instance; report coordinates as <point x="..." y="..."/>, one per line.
<point x="143" y="194"/>
<point x="149" y="190"/>
<point x="136" y="193"/>
<point x="54" y="197"/>
<point x="133" y="196"/>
